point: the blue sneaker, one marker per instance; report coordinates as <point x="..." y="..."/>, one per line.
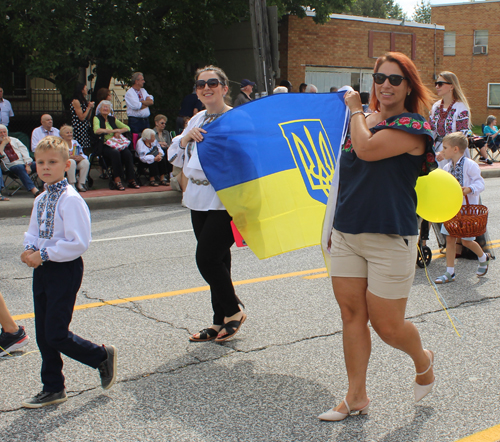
<point x="10" y="342"/>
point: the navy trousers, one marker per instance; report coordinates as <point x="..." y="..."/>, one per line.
<point x="55" y="285"/>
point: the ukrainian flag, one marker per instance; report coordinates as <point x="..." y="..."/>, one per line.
<point x="271" y="162"/>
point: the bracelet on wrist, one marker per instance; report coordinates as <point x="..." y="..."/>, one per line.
<point x="356" y="113"/>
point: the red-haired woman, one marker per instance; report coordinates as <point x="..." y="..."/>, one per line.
<point x="372" y="233"/>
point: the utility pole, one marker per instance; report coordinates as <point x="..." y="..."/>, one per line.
<point x="262" y="47"/>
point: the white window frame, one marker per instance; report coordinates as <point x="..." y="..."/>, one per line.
<point x="488" y="104"/>
<point x="365" y="76"/>
<point x="480" y="39"/>
<point x="448" y="48"/>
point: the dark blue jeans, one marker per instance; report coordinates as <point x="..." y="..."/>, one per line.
<point x="20" y="171"/>
<point x="137" y="125"/>
<point x="55" y="285"/>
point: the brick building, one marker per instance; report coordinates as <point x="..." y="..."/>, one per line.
<point x="343" y="51"/>
<point x="472" y="51"/>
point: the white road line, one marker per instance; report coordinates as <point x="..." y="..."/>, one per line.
<point x="141" y="236"/>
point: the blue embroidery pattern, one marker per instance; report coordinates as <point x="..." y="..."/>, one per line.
<point x="30" y="247"/>
<point x="458" y="171"/>
<point x="44" y="255"/>
<point x="47" y="208"/>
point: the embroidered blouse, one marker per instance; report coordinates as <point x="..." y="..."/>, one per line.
<point x="199" y="194"/>
<point x="59" y="225"/>
<point x="76" y="149"/>
<point x="454" y="119"/>
<point x="141" y="150"/>
<point x="468" y="174"/>
<point x="379" y="196"/>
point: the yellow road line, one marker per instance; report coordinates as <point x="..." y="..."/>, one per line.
<point x="490" y="435"/>
<point x="178" y="292"/>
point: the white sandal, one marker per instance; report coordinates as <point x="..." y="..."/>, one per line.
<point x="334" y="416"/>
<point x="421" y="391"/>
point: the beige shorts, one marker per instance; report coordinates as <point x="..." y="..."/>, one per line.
<point x="387" y="261"/>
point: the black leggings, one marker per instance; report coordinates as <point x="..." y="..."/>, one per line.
<point x="159" y="168"/>
<point x="213" y="258"/>
<point x="117" y="159"/>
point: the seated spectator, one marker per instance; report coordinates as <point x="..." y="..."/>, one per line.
<point x="280" y="90"/>
<point x="16" y="158"/>
<point x="311" y="89"/>
<point x="302" y="87"/>
<point x="149" y="151"/>
<point x="77" y="158"/>
<point x="334" y="89"/>
<point x="162" y="135"/>
<point x="111" y="128"/>
<point x="287" y="84"/>
<point x="43" y="131"/>
<point x="2" y="198"/>
<point x="490" y="128"/>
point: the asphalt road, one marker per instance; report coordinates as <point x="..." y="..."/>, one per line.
<point x="269" y="383"/>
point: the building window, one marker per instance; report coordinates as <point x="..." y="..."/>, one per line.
<point x="480" y="42"/>
<point x="493" y="94"/>
<point x="449" y="43"/>
<point x="326" y="77"/>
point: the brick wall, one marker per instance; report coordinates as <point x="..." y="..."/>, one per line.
<point x="346" y="43"/>
<point x="473" y="71"/>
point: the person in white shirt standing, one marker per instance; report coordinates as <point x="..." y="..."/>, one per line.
<point x="138" y="101"/>
<point x="5" y="110"/>
<point x="43" y="131"/>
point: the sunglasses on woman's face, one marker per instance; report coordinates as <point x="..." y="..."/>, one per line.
<point x="394" y="79"/>
<point x="440" y="83"/>
<point x="211" y="82"/>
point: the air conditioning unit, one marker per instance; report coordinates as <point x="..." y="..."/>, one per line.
<point x="480" y="50"/>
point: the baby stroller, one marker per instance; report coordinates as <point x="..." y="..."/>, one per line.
<point x="424" y="255"/>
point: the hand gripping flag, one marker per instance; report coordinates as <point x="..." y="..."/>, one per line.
<point x="271" y="162"/>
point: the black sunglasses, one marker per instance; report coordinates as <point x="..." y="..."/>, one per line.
<point x="394" y="79"/>
<point x="440" y="83"/>
<point x="212" y="83"/>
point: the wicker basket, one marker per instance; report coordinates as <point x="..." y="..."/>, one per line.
<point x="469" y="222"/>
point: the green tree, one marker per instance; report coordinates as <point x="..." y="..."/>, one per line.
<point x="376" y="8"/>
<point x="422" y="12"/>
<point x="161" y="38"/>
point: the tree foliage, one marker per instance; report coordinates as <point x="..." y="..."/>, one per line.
<point x="422" y="12"/>
<point x="164" y="39"/>
<point x="377" y="8"/>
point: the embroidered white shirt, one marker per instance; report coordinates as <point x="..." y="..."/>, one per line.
<point x="197" y="196"/>
<point x="39" y="134"/>
<point x="21" y="151"/>
<point x="472" y="178"/>
<point x="59" y="225"/>
<point x="134" y="104"/>
<point x="141" y="150"/>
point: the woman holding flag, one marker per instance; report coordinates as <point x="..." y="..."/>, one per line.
<point x="374" y="227"/>
<point x="211" y="222"/>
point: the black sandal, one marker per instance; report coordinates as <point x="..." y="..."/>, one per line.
<point x="207" y="334"/>
<point x="164" y="183"/>
<point x="153" y="184"/>
<point x="231" y="328"/>
<point x="133" y="185"/>
<point x="119" y="186"/>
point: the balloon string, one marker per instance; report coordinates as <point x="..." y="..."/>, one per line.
<point x="436" y="291"/>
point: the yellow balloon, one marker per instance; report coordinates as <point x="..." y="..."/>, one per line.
<point x="439" y="196"/>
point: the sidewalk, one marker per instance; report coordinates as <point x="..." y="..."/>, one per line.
<point x="100" y="197"/>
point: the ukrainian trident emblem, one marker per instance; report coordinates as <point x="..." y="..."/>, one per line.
<point x="313" y="155"/>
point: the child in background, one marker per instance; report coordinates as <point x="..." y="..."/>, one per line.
<point x="12" y="337"/>
<point x="58" y="234"/>
<point x="468" y="174"/>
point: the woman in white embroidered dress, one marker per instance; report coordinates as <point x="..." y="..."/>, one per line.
<point x="211" y="222"/>
<point x="450" y="114"/>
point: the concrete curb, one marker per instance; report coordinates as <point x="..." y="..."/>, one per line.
<point x="22" y="206"/>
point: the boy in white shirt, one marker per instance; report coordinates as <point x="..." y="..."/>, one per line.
<point x="58" y="234"/>
<point x="468" y="174"/>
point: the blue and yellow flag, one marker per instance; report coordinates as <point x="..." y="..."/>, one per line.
<point x="271" y="162"/>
